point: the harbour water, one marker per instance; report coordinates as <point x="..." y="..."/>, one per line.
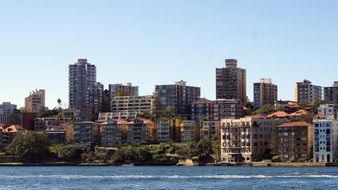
<point x="234" y="178"/>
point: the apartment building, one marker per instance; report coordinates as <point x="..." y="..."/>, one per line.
<point x="179" y="96"/>
<point x="111" y="133"/>
<point x="82" y="79"/>
<point x="231" y="82"/>
<point x="325" y="142"/>
<point x="35" y="101"/>
<point x="210" y="129"/>
<point x="86" y="132"/>
<point x="307" y="92"/>
<point x="138" y="132"/>
<point x="295" y="140"/>
<point x="246" y="139"/>
<point x="128" y="107"/>
<point x="331" y="93"/>
<point x="164" y="130"/>
<point x="204" y="109"/>
<point x="6" y="108"/>
<point x="189" y="131"/>
<point x="123" y="90"/>
<point x="265" y="93"/>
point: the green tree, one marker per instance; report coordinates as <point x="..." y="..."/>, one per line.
<point x="265" y="109"/>
<point x="32" y="147"/>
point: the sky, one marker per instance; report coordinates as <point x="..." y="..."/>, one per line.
<point x="150" y="42"/>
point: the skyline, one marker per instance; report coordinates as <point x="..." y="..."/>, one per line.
<point x="124" y="39"/>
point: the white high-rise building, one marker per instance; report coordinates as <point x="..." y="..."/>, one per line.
<point x="325" y="143"/>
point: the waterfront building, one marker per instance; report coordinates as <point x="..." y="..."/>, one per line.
<point x="295" y="141"/>
<point x="138" y="132"/>
<point x="35" y="101"/>
<point x="111" y="133"/>
<point x="8" y="134"/>
<point x="189" y="131"/>
<point x="265" y="93"/>
<point x="246" y="139"/>
<point x="178" y="96"/>
<point x="56" y="134"/>
<point x="86" y="132"/>
<point x="325" y="142"/>
<point x="210" y="129"/>
<point x="306" y="92"/>
<point x="164" y="130"/>
<point x="231" y="82"/>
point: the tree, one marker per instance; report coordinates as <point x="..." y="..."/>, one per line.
<point x="216" y="149"/>
<point x="32" y="147"/>
<point x="266" y="109"/>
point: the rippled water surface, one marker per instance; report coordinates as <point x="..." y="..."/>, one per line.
<point x="106" y="178"/>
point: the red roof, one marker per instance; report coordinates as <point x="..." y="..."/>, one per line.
<point x="295" y="124"/>
<point x="299" y="113"/>
<point x="278" y="114"/>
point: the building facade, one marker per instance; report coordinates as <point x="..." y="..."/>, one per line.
<point x="331" y="93"/>
<point x="202" y="109"/>
<point x="189" y="131"/>
<point x="265" y="93"/>
<point x="307" y="92"/>
<point x="138" y="132"/>
<point x="227" y="108"/>
<point x="178" y="96"/>
<point x="123" y="90"/>
<point x="125" y="107"/>
<point x="35" y="101"/>
<point x="246" y="139"/>
<point x="231" y="82"/>
<point x="164" y="130"/>
<point x="295" y="141"/>
<point x="210" y="129"/>
<point x="111" y="133"/>
<point x="7" y="108"/>
<point x="86" y="132"/>
<point x="325" y="142"/>
<point x="82" y="78"/>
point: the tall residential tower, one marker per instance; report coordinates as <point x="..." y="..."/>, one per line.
<point x="264" y="93"/>
<point x="231" y="82"/>
<point x="82" y="78"/>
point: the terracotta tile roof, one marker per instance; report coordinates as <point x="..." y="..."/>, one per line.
<point x="299" y="113"/>
<point x="278" y="114"/>
<point x="295" y="124"/>
<point x="13" y="129"/>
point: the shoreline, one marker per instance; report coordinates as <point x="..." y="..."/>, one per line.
<point x="254" y="165"/>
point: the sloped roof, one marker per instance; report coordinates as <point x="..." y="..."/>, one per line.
<point x="295" y="124"/>
<point x="299" y="113"/>
<point x="278" y="114"/>
<point x="203" y="101"/>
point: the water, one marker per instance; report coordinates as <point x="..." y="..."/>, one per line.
<point x="234" y="178"/>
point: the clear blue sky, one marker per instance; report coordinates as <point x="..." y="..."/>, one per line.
<point x="149" y="42"/>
